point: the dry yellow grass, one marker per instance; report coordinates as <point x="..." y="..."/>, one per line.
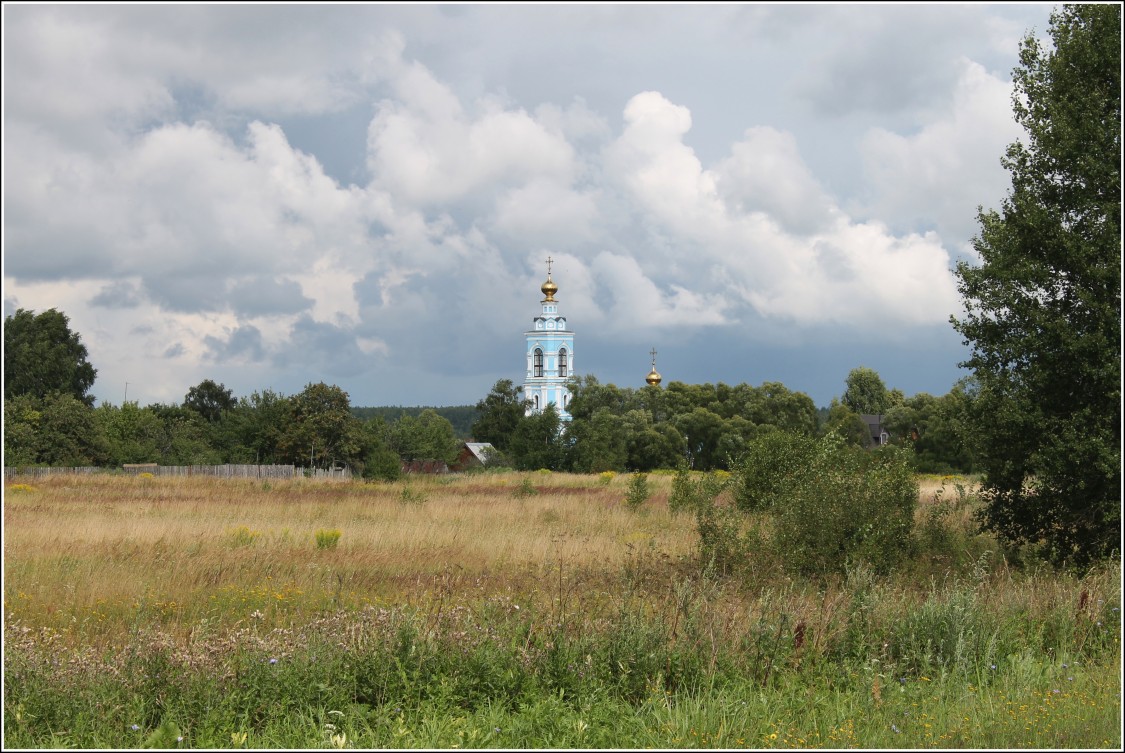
<point x="182" y="549"/>
<point x="96" y="557"/>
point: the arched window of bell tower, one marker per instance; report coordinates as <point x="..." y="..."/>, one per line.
<point x="538" y="362"/>
<point x="562" y="362"/>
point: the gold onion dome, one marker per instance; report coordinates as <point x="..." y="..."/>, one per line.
<point x="549" y="289"/>
<point x="653" y="377"/>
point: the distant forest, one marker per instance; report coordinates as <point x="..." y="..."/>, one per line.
<point x="461" y="416"/>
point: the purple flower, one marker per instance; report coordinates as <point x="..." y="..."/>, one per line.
<point x="135" y="727"/>
<point x="273" y="661"/>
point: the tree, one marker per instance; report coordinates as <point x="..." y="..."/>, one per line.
<point x="42" y="356"/>
<point x="1043" y="306"/>
<point x="598" y="443"/>
<point x="500" y="412"/>
<point x="537" y="441"/>
<point x="322" y="430"/>
<point x="132" y="434"/>
<point x="57" y="430"/>
<point x="428" y="436"/>
<point x="252" y="431"/>
<point x="866" y="392"/>
<point x="209" y="400"/>
<point x="845" y="422"/>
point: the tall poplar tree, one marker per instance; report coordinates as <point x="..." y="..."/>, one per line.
<point x="1043" y="307"/>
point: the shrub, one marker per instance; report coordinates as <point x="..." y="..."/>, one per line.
<point x="638" y="491"/>
<point x="848" y="505"/>
<point x="327" y="538"/>
<point x="832" y="504"/>
<point x="605" y="478"/>
<point x="772" y="461"/>
<point x="691" y="496"/>
<point x="241" y="536"/>
<point x="526" y="488"/>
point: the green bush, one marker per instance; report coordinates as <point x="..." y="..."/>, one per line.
<point x="832" y="504"/>
<point x="771" y="464"/>
<point x="327" y="538"/>
<point x="638" y="491"/>
<point x="689" y="496"/>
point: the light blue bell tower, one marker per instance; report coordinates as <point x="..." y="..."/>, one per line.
<point x="550" y="355"/>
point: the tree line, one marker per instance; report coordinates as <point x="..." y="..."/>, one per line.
<point x="49" y="419"/>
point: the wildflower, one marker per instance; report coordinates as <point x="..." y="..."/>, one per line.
<point x="1065" y="665"/>
<point x="895" y="729"/>
<point x="495" y="729"/>
<point x="135" y="727"/>
<point x="179" y="738"/>
<point x="273" y="661"/>
<point x="902" y="680"/>
<point x="1054" y="690"/>
<point x="993" y="666"/>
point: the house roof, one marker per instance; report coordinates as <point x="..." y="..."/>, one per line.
<point x="480" y="450"/>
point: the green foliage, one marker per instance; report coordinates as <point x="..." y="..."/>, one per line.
<point x="638" y="492"/>
<point x="772" y="464"/>
<point x="425" y="437"/>
<point x="830" y="504"/>
<point x="499" y="414"/>
<point x="327" y="538"/>
<point x="692" y="494"/>
<point x="132" y="434"/>
<point x="242" y="536"/>
<point x="845" y="506"/>
<point x="43" y="356"/>
<point x="321" y="430"/>
<point x="537" y="441"/>
<point x="525" y="489"/>
<point x="56" y="430"/>
<point x="1043" y="309"/>
<point x="597" y="443"/>
<point x="460" y="417"/>
<point x="209" y="400"/>
<point x="934" y="427"/>
<point x="846" y="424"/>
<point x="865" y="392"/>
<point x="380" y="462"/>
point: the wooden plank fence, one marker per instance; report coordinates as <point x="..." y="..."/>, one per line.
<point x="219" y="471"/>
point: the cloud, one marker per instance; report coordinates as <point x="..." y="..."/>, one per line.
<point x="168" y="165"/>
<point x="765" y="173"/>
<point x="743" y="238"/>
<point x="938" y="176"/>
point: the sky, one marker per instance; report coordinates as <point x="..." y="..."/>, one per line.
<point x="271" y="196"/>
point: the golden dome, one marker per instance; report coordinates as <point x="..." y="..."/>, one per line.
<point x="549" y="289"/>
<point x="653" y="377"/>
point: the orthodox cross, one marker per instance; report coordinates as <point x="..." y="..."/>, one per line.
<point x="653" y="354"/>
<point x="548" y="266"/>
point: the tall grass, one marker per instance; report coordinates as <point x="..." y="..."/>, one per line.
<point x="483" y="618"/>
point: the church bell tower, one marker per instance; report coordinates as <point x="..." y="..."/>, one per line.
<point x="550" y="355"/>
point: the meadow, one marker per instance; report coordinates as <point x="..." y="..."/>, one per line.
<point x="522" y="610"/>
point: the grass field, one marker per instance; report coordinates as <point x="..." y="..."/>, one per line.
<point x="520" y="610"/>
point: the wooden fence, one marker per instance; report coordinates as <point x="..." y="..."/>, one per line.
<point x="219" y="471"/>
